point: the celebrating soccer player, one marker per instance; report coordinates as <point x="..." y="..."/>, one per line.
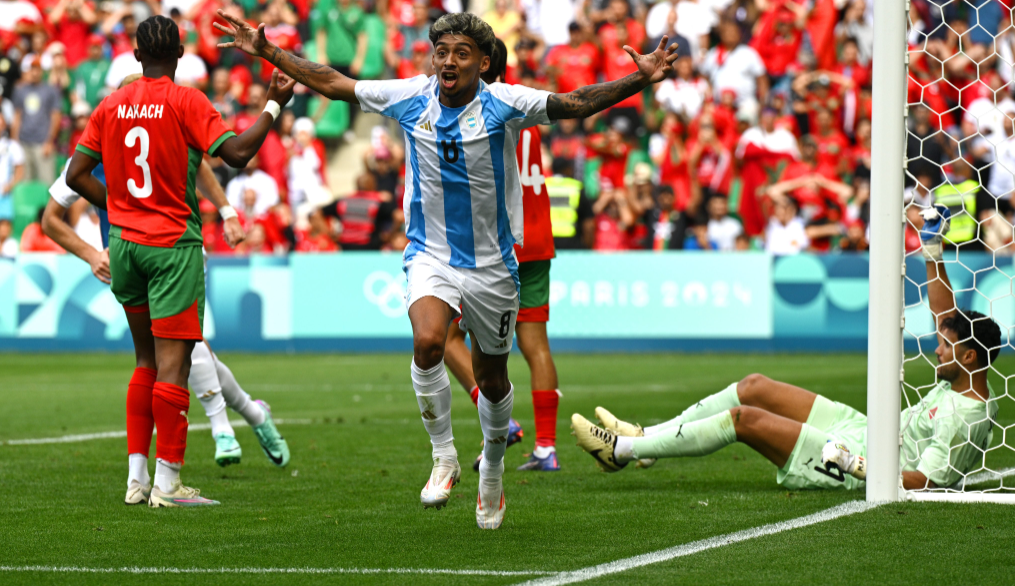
<point x="463" y="214"/>
<point x="534" y="299"/>
<point x="151" y="136"/>
<point x="818" y="443"/>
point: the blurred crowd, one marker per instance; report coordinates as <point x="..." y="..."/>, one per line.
<point x="760" y="138"/>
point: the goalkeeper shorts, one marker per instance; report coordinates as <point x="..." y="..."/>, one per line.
<point x="828" y="420"/>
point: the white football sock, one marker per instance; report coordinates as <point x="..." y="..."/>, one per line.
<point x="543" y="451"/>
<point x="138" y="469"/>
<point x="697" y="438"/>
<point x="433" y="394"/>
<point x="494" y="419"/>
<point x="166" y="474"/>
<point x="204" y="381"/>
<point x="238" y="399"/>
<point x="724" y="400"/>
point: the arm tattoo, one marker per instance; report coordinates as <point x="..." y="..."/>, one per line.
<point x="595" y="98"/>
<point x="313" y="75"/>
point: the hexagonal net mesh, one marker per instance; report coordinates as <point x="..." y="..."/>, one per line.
<point x="960" y="155"/>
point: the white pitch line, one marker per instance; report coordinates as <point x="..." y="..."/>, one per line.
<point x="85" y="437"/>
<point x="699" y="546"/>
<point x="168" y="570"/>
<point x="989" y="475"/>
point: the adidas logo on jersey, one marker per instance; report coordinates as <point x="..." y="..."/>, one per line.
<point x="426" y="126"/>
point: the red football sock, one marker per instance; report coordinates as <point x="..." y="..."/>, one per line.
<point x="544" y="404"/>
<point x="474" y="393"/>
<point x="140" y="421"/>
<point x="170" y="405"/>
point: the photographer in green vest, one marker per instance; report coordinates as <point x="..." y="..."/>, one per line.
<point x="570" y="211"/>
<point x="960" y="194"/>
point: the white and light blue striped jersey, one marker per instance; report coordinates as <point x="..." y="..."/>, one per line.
<point x="463" y="196"/>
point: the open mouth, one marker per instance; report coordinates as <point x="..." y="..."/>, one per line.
<point x="449" y="79"/>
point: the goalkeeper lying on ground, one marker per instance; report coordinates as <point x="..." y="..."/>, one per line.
<point x="818" y="443"/>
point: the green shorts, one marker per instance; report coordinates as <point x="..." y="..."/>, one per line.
<point x="828" y="420"/>
<point x="167" y="283"/>
<point x="534" y="305"/>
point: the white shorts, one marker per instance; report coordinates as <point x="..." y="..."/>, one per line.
<point x="488" y="298"/>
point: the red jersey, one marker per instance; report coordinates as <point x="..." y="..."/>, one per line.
<point x="151" y="136"/>
<point x="832" y="149"/>
<point x="576" y="67"/>
<point x="535" y="200"/>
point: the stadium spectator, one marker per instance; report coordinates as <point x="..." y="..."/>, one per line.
<point x="316" y="236"/>
<point x="614" y="221"/>
<point x="365" y="216"/>
<point x="71" y="22"/>
<point x="37" y="123"/>
<point x="419" y="64"/>
<point x="507" y="24"/>
<point x="252" y="180"/>
<point x="574" y="65"/>
<point x="8" y="244"/>
<point x="685" y="93"/>
<point x="307" y="181"/>
<point x="855" y="239"/>
<point x="222" y="96"/>
<point x="722" y="230"/>
<point x="33" y="239"/>
<point x="190" y="69"/>
<point x="12" y="170"/>
<point x="666" y="224"/>
<point x="786" y="233"/>
<point x="735" y="66"/>
<point x="89" y="76"/>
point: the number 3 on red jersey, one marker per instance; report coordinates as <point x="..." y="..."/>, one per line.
<point x="141" y="160"/>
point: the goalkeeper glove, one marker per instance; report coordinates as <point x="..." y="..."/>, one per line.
<point x="838" y="454"/>
<point x="936" y="222"/>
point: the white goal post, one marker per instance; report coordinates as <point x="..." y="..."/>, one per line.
<point x="888" y="391"/>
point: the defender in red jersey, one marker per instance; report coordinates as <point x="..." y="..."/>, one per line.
<point x="534" y="306"/>
<point x="151" y="137"/>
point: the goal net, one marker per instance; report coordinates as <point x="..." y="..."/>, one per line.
<point x="959" y="143"/>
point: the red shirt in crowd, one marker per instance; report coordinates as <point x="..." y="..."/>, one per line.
<point x="74" y="36"/>
<point x="833" y="149"/>
<point x="33" y="239"/>
<point x="777" y="51"/>
<point x="576" y="67"/>
<point x="616" y="62"/>
<point x="305" y="242"/>
<point x="614" y="159"/>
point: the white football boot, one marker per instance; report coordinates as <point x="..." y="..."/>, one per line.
<point x="445" y="475"/>
<point x="598" y="442"/>
<point x="179" y="496"/>
<point x="490" y="507"/>
<point x="138" y="493"/>
<point x="624" y="429"/>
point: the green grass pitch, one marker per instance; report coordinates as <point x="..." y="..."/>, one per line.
<point x="349" y="498"/>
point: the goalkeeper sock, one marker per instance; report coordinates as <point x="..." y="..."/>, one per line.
<point x="238" y="399"/>
<point x="697" y="438"/>
<point x="433" y="394"/>
<point x="724" y="400"/>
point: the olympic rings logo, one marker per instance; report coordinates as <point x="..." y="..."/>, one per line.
<point x="386" y="292"/>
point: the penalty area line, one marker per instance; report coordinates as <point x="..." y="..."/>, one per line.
<point x="85" y="437"/>
<point x="699" y="546"/>
<point x="169" y="570"/>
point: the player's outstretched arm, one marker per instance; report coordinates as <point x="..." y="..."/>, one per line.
<point x="211" y="189"/>
<point x="320" y="78"/>
<point x="591" y="99"/>
<point x="237" y="151"/>
<point x="940" y="295"/>
<point x="82" y="182"/>
<point x="60" y="231"/>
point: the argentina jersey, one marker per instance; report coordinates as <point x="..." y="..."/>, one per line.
<point x="463" y="197"/>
